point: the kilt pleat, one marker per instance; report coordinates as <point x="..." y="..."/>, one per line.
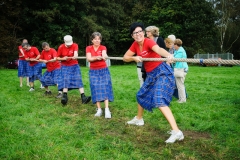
<point x="71" y="77"/>
<point x="51" y="78"/>
<point x="158" y="88"/>
<point x="23" y="68"/>
<point x="35" y="72"/>
<point x="101" y="85"/>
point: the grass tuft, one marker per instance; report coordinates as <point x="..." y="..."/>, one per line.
<point x="34" y="126"/>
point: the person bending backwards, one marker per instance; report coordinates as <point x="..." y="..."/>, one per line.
<point x="71" y="73"/>
<point x="158" y="87"/>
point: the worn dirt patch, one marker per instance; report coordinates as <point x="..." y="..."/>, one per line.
<point x="196" y="135"/>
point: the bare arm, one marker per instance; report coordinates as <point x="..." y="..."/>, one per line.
<point x="46" y="61"/>
<point x="22" y="53"/>
<point x="104" y="54"/>
<point x="53" y="60"/>
<point x="162" y="52"/>
<point x="129" y="57"/>
<point x="75" y="54"/>
<point x="91" y="58"/>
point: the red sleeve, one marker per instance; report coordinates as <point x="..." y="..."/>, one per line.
<point x="36" y="51"/>
<point x="25" y="54"/>
<point x="54" y="52"/>
<point x="59" y="51"/>
<point x="88" y="49"/>
<point x="150" y="43"/>
<point x="41" y="57"/>
<point x="103" y="48"/>
<point x="75" y="47"/>
<point x="133" y="47"/>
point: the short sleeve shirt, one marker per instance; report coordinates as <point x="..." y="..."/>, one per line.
<point x="96" y="64"/>
<point x="48" y="55"/>
<point x="146" y="52"/>
<point x="20" y="53"/>
<point x="69" y="52"/>
<point x="32" y="53"/>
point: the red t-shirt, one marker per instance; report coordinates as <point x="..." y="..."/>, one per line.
<point x="48" y="55"/>
<point x="32" y="53"/>
<point x="20" y="53"/>
<point x="96" y="64"/>
<point x="147" y="52"/>
<point x="69" y="52"/>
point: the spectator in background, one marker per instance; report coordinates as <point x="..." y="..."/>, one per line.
<point x="23" y="66"/>
<point x="171" y="47"/>
<point x="157" y="90"/>
<point x="152" y="32"/>
<point x="99" y="75"/>
<point x="32" y="55"/>
<point x="53" y="75"/>
<point x="71" y="73"/>
<point x="180" y="70"/>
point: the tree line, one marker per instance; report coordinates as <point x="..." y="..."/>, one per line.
<point x="204" y="26"/>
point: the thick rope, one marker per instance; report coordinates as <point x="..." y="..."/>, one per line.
<point x="201" y="61"/>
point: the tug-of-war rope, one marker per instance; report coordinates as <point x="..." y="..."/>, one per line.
<point x="201" y="61"/>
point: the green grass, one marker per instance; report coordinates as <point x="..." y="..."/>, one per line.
<point x="33" y="126"/>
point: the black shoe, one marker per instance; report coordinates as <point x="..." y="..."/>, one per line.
<point x="85" y="99"/>
<point x="64" y="99"/>
<point x="47" y="93"/>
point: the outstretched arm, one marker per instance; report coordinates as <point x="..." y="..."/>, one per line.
<point x="129" y="57"/>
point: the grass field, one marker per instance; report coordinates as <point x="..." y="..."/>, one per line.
<point x="33" y="126"/>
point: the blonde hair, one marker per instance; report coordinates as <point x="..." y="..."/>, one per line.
<point x="178" y="42"/>
<point x="168" y="40"/>
<point x="154" y="30"/>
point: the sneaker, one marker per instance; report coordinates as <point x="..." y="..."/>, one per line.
<point x="85" y="99"/>
<point x="99" y="112"/>
<point x="59" y="95"/>
<point x="135" y="121"/>
<point x="20" y="85"/>
<point x="31" y="89"/>
<point x="42" y="86"/>
<point x="107" y="113"/>
<point x="175" y="136"/>
<point x="64" y="99"/>
<point x="180" y="101"/>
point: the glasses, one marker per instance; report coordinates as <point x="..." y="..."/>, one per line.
<point x="135" y="33"/>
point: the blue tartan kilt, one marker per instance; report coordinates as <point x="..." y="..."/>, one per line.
<point x="51" y="78"/>
<point x="35" y="72"/>
<point x="101" y="85"/>
<point x="71" y="77"/>
<point x="157" y="90"/>
<point x="23" y="68"/>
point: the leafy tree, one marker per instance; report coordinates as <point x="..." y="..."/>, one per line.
<point x="9" y="20"/>
<point x="228" y="12"/>
<point x="190" y="20"/>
